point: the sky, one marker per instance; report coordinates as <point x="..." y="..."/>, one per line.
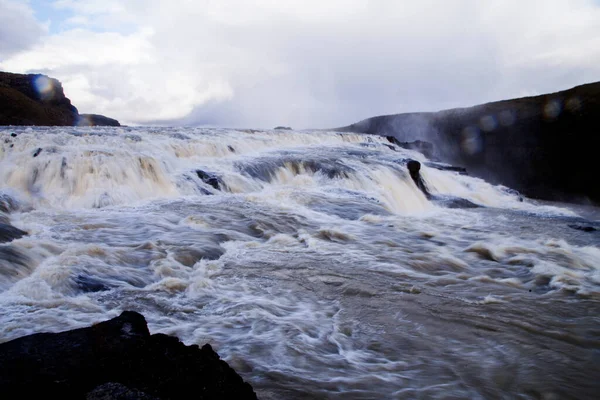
<point x="299" y="63"/>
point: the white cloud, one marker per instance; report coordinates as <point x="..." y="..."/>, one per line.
<point x="312" y="63"/>
<point x="19" y="29"/>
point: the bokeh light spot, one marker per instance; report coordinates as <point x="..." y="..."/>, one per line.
<point x="471" y="142"/>
<point x="552" y="109"/>
<point x="488" y="123"/>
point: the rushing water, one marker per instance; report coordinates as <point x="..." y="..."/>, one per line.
<point x="310" y="261"/>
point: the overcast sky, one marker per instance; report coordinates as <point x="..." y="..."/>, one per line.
<point x="304" y="63"/>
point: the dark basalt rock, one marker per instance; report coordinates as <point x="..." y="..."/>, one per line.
<point x="115" y="359"/>
<point x="414" y="168"/>
<point x="453" y="202"/>
<point x="117" y="391"/>
<point x="9" y="233"/>
<point x="8" y="204"/>
<point x="36" y="99"/>
<point x="88" y="284"/>
<point x="584" y="228"/>
<point x="544" y="146"/>
<point x="447" y="167"/>
<point x="210" y="179"/>
<point x="421" y="146"/>
<point x="96" y="120"/>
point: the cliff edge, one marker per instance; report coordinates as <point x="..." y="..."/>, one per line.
<point x="545" y="146"/>
<point x="36" y="99"/>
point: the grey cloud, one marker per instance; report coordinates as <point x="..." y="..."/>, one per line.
<point x="309" y="64"/>
<point x="19" y="30"/>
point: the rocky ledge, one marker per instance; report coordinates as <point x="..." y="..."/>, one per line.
<point x="36" y="99"/>
<point x="115" y="359"/>
<point x="544" y="146"/>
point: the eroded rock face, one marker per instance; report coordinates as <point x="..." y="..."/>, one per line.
<point x="116" y="356"/>
<point x="34" y="99"/>
<point x="544" y="146"/>
<point x="96" y="120"/>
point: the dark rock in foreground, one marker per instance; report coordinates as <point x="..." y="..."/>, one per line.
<point x="36" y="99"/>
<point x="115" y="359"/>
<point x="544" y="146"/>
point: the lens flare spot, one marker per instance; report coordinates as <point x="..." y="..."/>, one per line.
<point x="552" y="109"/>
<point x="573" y="104"/>
<point x="488" y="123"/>
<point x="44" y="86"/>
<point x="506" y="117"/>
<point x="471" y="142"/>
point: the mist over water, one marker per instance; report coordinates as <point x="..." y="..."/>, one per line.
<point x="309" y="260"/>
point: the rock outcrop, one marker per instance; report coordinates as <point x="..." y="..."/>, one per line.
<point x="96" y="120"/>
<point x="36" y="99"/>
<point x="115" y="359"/>
<point x="544" y="146"/>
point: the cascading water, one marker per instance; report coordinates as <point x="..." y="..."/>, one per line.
<point x="310" y="260"/>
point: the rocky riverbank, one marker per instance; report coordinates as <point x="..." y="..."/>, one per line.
<point x="544" y="146"/>
<point x="36" y="99"/>
<point x="115" y="359"/>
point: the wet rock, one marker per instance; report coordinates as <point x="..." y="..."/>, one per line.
<point x="13" y="134"/>
<point x="210" y="179"/>
<point x="453" y="202"/>
<point x="37" y="152"/>
<point x="584" y="228"/>
<point x="89" y="284"/>
<point x="421" y="146"/>
<point x="9" y="233"/>
<point x="285" y="128"/>
<point x="14" y="265"/>
<point x="179" y="136"/>
<point x="96" y="120"/>
<point x="116" y="359"/>
<point x="117" y="391"/>
<point x="414" y="168"/>
<point x="8" y="204"/>
<point x="447" y="167"/>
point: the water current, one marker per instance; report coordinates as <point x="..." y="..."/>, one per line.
<point x="310" y="260"/>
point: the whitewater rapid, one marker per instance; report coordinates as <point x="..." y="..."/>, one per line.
<point x="311" y="261"/>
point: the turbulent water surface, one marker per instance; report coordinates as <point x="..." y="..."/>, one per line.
<point x="310" y="260"/>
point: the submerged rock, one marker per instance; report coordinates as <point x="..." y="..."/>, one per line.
<point x="210" y="179"/>
<point x="453" y="202"/>
<point x="584" y="228"/>
<point x="448" y="167"/>
<point x="116" y="359"/>
<point x="9" y="233"/>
